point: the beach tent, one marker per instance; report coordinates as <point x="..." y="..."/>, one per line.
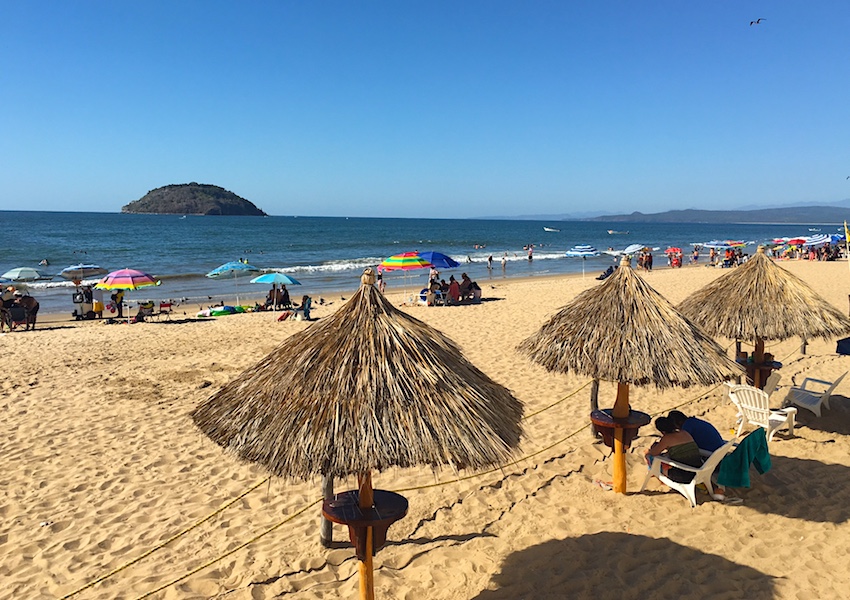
<point x="357" y="389"/>
<point x="624" y="331"/>
<point x="761" y="301"/>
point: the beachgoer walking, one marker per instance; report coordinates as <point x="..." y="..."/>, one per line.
<point x="504" y="261"/>
<point x="490" y="262"/>
<point x="382" y="285"/>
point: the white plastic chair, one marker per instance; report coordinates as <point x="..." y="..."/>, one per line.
<point x="812" y="399"/>
<point x="753" y="408"/>
<point x="771" y="383"/>
<point x="702" y="475"/>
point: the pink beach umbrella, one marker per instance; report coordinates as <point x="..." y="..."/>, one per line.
<point x="126" y="279"/>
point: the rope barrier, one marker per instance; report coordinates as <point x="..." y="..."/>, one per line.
<point x="306" y="507"/>
<point x="229" y="552"/>
<point x="165" y="543"/>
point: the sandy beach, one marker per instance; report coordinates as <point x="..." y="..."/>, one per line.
<point x="101" y="463"/>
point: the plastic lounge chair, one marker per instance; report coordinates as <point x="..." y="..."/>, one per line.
<point x="753" y="408"/>
<point x="812" y="399"/>
<point x="702" y="475"/>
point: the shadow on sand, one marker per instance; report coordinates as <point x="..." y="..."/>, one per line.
<point x="621" y="565"/>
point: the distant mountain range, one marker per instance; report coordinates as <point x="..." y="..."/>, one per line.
<point x="798" y="214"/>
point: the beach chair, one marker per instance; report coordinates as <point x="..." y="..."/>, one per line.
<point x="753" y="408"/>
<point x="812" y="399"/>
<point x="702" y="474"/>
<point x="17" y="316"/>
<point x="771" y="383"/>
<point x="165" y="309"/>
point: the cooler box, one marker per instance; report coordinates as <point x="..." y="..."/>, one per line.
<point x="843" y="346"/>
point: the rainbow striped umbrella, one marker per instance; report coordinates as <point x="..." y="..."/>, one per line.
<point x="406" y="261"/>
<point x="126" y="279"/>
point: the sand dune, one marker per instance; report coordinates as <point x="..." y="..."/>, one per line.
<point x="100" y="463"/>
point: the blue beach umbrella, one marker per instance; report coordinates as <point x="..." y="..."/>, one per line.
<point x="582" y="251"/>
<point x="276" y="278"/>
<point x="233" y="269"/>
<point x="81" y="271"/>
<point x="439" y="260"/>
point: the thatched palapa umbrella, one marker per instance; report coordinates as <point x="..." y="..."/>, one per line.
<point x="761" y="301"/>
<point x="367" y="388"/>
<point x="623" y="330"/>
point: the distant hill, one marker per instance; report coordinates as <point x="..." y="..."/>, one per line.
<point x="192" y="199"/>
<point x="798" y="215"/>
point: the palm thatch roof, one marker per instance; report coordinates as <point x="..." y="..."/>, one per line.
<point x="761" y="300"/>
<point x="623" y="330"/>
<point x="367" y="388"/>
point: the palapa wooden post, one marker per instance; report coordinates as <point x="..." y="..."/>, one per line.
<point x="367" y="575"/>
<point x="621" y="411"/>
<point x="758" y="360"/>
<point x="326" y="530"/>
<point x="594" y="405"/>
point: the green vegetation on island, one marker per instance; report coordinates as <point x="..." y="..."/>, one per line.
<point x="192" y="199"/>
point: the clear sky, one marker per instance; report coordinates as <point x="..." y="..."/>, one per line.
<point x="426" y="108"/>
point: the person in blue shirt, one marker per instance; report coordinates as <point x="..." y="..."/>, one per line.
<point x="704" y="433"/>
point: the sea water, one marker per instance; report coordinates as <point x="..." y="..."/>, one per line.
<point x="326" y="254"/>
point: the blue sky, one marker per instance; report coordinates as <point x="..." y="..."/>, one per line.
<point x="426" y="109"/>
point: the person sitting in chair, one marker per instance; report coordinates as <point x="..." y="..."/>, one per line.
<point x="677" y="445"/>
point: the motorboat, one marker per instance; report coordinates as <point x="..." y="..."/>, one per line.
<point x="551" y="229"/>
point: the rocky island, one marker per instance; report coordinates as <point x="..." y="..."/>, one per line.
<point x="192" y="199"/>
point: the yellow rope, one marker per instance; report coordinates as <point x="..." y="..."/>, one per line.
<point x="229" y="552"/>
<point x="165" y="543"/>
<point x="570" y="395"/>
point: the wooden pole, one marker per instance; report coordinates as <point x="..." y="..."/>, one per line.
<point x="594" y="404"/>
<point x="367" y="575"/>
<point x="803" y="346"/>
<point x="758" y="359"/>
<point x="326" y="530"/>
<point x="621" y="411"/>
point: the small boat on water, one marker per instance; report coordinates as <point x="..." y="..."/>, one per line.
<point x="813" y="229"/>
<point x="552" y="229"/>
<point x="614" y="232"/>
<point x="582" y="251"/>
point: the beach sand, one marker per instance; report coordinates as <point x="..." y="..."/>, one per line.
<point x="100" y="463"/>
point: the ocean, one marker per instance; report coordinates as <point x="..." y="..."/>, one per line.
<point x="326" y="254"/>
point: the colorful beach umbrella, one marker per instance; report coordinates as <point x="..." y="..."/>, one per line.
<point x="275" y="279"/>
<point x="81" y="271"/>
<point x="673" y="250"/>
<point x="582" y="251"/>
<point x="126" y="279"/>
<point x="406" y="261"/>
<point x="233" y="269"/>
<point x="22" y="274"/>
<point x="439" y="260"/>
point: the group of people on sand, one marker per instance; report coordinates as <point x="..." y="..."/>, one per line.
<point x="451" y="291"/>
<point x="17" y="307"/>
<point x="682" y="438"/>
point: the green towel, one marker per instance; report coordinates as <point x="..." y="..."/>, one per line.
<point x="735" y="466"/>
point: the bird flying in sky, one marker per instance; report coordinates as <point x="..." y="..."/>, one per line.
<point x="756" y="22"/>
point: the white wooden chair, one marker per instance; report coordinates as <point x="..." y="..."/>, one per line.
<point x="812" y="399"/>
<point x="753" y="408"/>
<point x="702" y="475"/>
